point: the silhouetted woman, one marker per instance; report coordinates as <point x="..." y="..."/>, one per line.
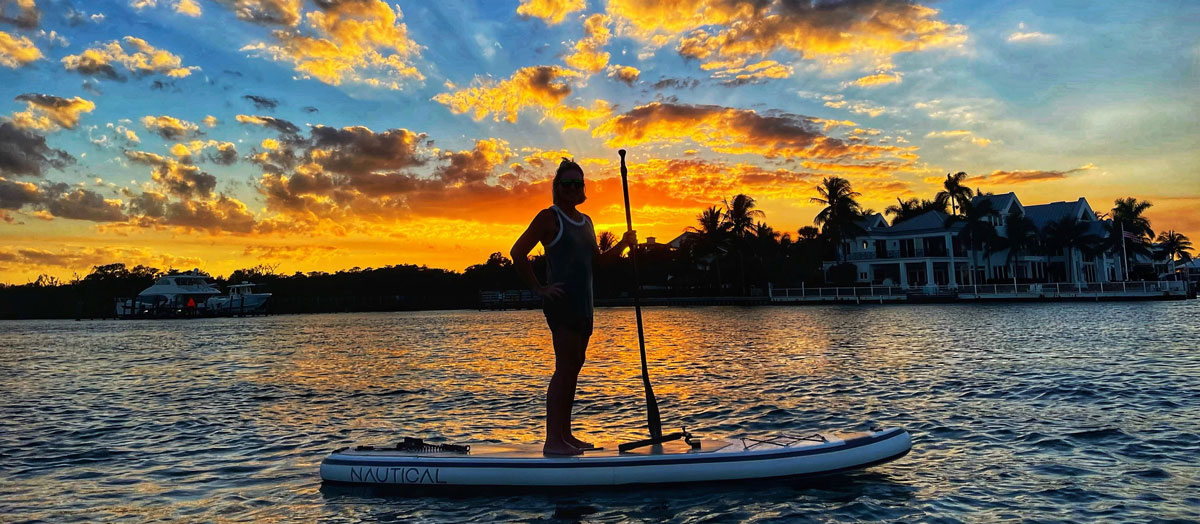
<point x="570" y="243"/>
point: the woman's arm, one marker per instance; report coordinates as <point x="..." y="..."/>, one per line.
<point x="629" y="240"/>
<point x="539" y="229"/>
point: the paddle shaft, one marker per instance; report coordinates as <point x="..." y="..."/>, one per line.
<point x="652" y="418"/>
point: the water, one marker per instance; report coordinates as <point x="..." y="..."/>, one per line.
<point x="1039" y="412"/>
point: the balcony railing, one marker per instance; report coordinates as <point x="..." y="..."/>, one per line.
<point x="1051" y="290"/>
<point x="898" y="253"/>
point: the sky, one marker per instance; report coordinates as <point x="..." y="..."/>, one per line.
<point x="318" y="135"/>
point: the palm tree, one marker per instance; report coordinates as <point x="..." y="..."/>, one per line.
<point x="1127" y="218"/>
<point x="1020" y="238"/>
<point x="977" y="230"/>
<point x="606" y="241"/>
<point x="955" y="193"/>
<point x="906" y="209"/>
<point x="1172" y="245"/>
<point x="739" y="217"/>
<point x="1070" y="235"/>
<point x="808" y="233"/>
<point x="713" y="233"/>
<point x="840" y="212"/>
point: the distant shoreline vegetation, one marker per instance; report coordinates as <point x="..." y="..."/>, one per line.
<point x="731" y="251"/>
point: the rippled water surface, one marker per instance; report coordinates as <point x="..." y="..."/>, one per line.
<point x="1046" y="412"/>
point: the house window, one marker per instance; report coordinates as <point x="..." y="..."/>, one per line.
<point x="864" y="244"/>
<point x="862" y="276"/>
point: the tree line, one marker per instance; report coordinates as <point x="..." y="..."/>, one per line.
<point x="729" y="251"/>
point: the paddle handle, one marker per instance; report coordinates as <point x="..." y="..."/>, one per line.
<point x="653" y="421"/>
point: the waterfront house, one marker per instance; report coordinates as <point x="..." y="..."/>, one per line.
<point x="930" y="250"/>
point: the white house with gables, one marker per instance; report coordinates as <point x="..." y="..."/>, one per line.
<point x="925" y="251"/>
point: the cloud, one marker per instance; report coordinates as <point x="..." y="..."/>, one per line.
<point x="626" y="74"/>
<point x="361" y="42"/>
<point x="21" y="13"/>
<point x="358" y="150"/>
<point x="84" y="257"/>
<point x="188" y="7"/>
<point x="144" y="59"/>
<point x="753" y="73"/>
<point x="61" y="200"/>
<point x="535" y="86"/>
<point x="588" y="55"/>
<point x="169" y="127"/>
<point x="81" y="204"/>
<point x="225" y="154"/>
<point x="1020" y="36"/>
<point x="210" y="121"/>
<point x="25" y="153"/>
<point x="15" y="194"/>
<point x="728" y="33"/>
<point x="877" y="80"/>
<point x="676" y="83"/>
<point x="49" y="112"/>
<point x="16" y="51"/>
<point x="960" y="134"/>
<point x="1005" y="178"/>
<point x="266" y="12"/>
<point x="290" y="252"/>
<point x="280" y="125"/>
<point x="177" y="178"/>
<point x="262" y="102"/>
<point x="732" y="130"/>
<point x="551" y="11"/>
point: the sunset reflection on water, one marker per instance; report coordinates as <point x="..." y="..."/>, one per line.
<point x="1021" y="411"/>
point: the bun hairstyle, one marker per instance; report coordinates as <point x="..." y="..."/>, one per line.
<point x="565" y="166"/>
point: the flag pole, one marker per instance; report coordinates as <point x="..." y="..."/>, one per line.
<point x="1124" y="254"/>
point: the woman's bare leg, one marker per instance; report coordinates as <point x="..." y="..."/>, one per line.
<point x="568" y="436"/>
<point x="568" y="360"/>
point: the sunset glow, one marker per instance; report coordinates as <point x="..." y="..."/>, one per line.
<point x="223" y="134"/>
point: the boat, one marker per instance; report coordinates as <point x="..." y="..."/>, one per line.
<point x="414" y="462"/>
<point x="180" y="294"/>
<point x="241" y="300"/>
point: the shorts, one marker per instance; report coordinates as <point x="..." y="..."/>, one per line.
<point x="558" y="317"/>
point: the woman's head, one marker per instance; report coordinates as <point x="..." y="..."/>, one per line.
<point x="568" y="184"/>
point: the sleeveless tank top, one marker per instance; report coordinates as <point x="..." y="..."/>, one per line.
<point x="569" y="260"/>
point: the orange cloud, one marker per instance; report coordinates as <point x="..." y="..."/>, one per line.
<point x="588" y="55"/>
<point x="169" y="127"/>
<point x="178" y="178"/>
<point x="731" y="130"/>
<point x="360" y="42"/>
<point x="16" y="51"/>
<point x="961" y="134"/>
<point x="1001" y="178"/>
<point x="530" y="87"/>
<point x="551" y="11"/>
<point x="833" y="33"/>
<point x="877" y="80"/>
<point x="626" y="74"/>
<point x="754" y="73"/>
<point x="144" y="59"/>
<point x="48" y="113"/>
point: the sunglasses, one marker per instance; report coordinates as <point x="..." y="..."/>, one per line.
<point x="570" y="182"/>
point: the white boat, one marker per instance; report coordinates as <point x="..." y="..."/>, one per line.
<point x="728" y="460"/>
<point x="241" y="300"/>
<point x="171" y="295"/>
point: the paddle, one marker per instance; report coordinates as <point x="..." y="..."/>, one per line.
<point x="652" y="418"/>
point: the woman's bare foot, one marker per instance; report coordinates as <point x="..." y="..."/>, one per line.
<point x="560" y="448"/>
<point x="579" y="443"/>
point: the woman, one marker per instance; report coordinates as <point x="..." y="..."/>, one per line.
<point x="570" y="243"/>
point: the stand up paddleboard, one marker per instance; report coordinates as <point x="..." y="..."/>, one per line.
<point x="660" y="459"/>
<point x="415" y="463"/>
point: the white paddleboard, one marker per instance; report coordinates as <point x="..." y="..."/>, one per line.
<point x="670" y="463"/>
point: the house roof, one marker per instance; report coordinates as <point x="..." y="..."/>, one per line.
<point x="1043" y="214"/>
<point x="872" y="222"/>
<point x="928" y="222"/>
<point x="1000" y="203"/>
